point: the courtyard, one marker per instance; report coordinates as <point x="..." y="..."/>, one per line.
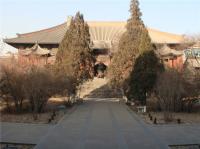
<point x="101" y="124"/>
<point x="103" y="84"/>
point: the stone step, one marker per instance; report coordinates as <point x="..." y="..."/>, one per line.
<point x="98" y="88"/>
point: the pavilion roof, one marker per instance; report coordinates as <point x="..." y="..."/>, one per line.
<point x="102" y="34"/>
<point x="35" y="50"/>
<point x="167" y="51"/>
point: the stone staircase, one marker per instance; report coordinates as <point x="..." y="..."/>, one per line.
<point x="98" y="88"/>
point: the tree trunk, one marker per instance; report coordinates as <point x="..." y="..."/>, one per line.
<point x="17" y="106"/>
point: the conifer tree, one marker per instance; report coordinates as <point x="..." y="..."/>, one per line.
<point x="133" y="42"/>
<point x="74" y="56"/>
<point x="144" y="75"/>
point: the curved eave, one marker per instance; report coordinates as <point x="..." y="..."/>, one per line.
<point x="10" y="41"/>
<point x="100" y="31"/>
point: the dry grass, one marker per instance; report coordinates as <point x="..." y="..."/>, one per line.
<point x="28" y="118"/>
<point x="186" y="118"/>
<point x="43" y="118"/>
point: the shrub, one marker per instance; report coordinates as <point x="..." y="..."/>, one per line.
<point x="42" y="83"/>
<point x="192" y="86"/>
<point x="38" y="88"/>
<point x="36" y="85"/>
<point x="12" y="85"/>
<point x="170" y="90"/>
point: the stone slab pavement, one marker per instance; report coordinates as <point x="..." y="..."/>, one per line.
<point x="100" y="124"/>
<point x="178" y="134"/>
<point x="22" y="133"/>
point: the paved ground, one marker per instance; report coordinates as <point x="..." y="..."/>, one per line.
<point x="178" y="134"/>
<point x="101" y="124"/>
<point x="23" y="133"/>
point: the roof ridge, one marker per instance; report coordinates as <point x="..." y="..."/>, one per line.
<point x="96" y="22"/>
<point x="108" y="29"/>
<point x="156" y="30"/>
<point x="41" y="30"/>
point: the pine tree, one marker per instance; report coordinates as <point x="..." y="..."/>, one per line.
<point x="144" y="75"/>
<point x="133" y="42"/>
<point x="74" y="56"/>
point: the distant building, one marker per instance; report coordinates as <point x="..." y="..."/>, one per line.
<point x="36" y="56"/>
<point x="171" y="57"/>
<point x="104" y="36"/>
<point x="192" y="58"/>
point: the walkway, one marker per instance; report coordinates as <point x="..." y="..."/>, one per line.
<point x="99" y="124"/>
<point x="178" y="134"/>
<point x="23" y="133"/>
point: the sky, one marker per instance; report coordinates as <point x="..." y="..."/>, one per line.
<point x="21" y="16"/>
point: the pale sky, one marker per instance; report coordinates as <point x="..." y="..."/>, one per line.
<point x="21" y="16"/>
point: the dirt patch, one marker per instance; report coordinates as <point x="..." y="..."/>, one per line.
<point x="185" y="118"/>
<point x="54" y="107"/>
<point x="185" y="147"/>
<point x="16" y="146"/>
<point x="42" y="118"/>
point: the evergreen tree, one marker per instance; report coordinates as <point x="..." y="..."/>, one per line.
<point x="133" y="42"/>
<point x="74" y="56"/>
<point x="144" y="75"/>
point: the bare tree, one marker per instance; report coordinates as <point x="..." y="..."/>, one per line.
<point x="192" y="86"/>
<point x="35" y="84"/>
<point x="170" y="91"/>
<point x="12" y="85"/>
<point x="41" y="84"/>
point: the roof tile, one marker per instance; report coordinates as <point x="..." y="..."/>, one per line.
<point x="100" y="31"/>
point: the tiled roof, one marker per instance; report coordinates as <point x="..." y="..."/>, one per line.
<point x="102" y="33"/>
<point x="35" y="50"/>
<point x="47" y="36"/>
<point x="167" y="51"/>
